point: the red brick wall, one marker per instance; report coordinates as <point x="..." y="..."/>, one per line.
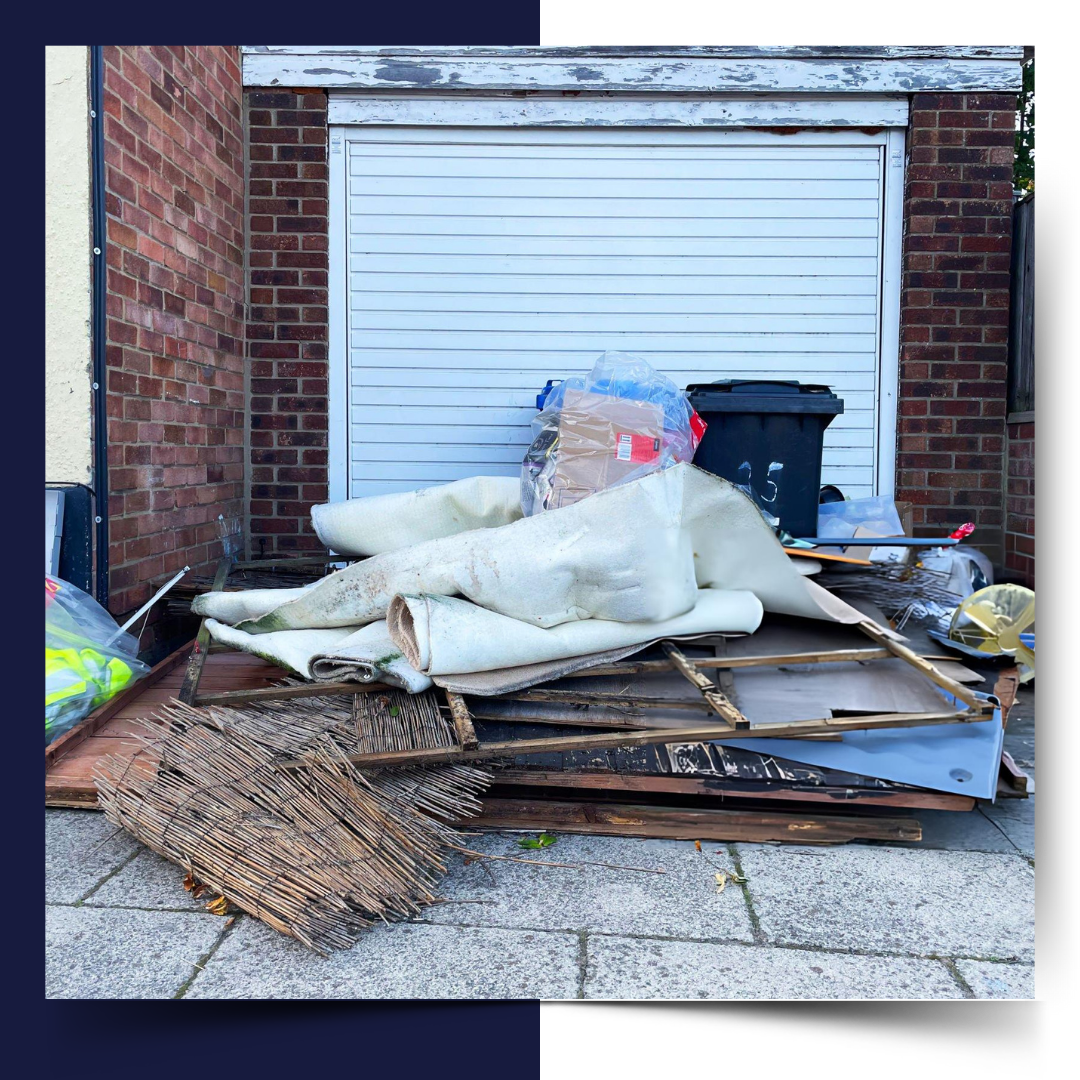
<point x="1020" y="503"/>
<point x="174" y="161"/>
<point x="287" y="327"/>
<point x="955" y="312"/>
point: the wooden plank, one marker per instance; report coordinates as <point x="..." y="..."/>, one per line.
<point x="463" y="725"/>
<point x="504" y="109"/>
<point x="578" y="719"/>
<point x="286" y="693"/>
<point x="664" y="822"/>
<point x="709" y="691"/>
<point x="102" y="715"/>
<point x="1013" y="775"/>
<point x="774" y="74"/>
<point x="951" y="686"/>
<point x="583" y="697"/>
<point x="518" y="747"/>
<point x="1005" y="688"/>
<point x="723" y="789"/>
<point x="292" y="560"/>
<point x="716" y="52"/>
<point x="822" y="556"/>
<point x="202" y="642"/>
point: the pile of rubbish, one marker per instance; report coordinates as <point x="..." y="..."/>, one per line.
<point x="614" y="624"/>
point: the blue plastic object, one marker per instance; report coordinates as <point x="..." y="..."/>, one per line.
<point x="962" y="759"/>
<point x="542" y="397"/>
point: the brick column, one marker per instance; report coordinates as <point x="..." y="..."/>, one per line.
<point x="174" y="156"/>
<point x="287" y="328"/>
<point x="1020" y="502"/>
<point x="955" y="312"/>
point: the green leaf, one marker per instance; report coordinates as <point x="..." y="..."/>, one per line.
<point x="542" y="841"/>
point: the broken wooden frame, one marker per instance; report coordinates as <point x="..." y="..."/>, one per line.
<point x="732" y="723"/>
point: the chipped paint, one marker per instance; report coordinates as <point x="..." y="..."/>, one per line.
<point x="729" y="52"/>
<point x="690" y="72"/>
<point x="411" y="73"/>
<point x="590" y="108"/>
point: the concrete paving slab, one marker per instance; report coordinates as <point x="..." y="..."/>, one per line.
<point x="81" y="848"/>
<point x="682" y="902"/>
<point x="122" y="953"/>
<point x="1016" y="819"/>
<point x="400" y="961"/>
<point x="148" y="881"/>
<point x="947" y="903"/>
<point x="1000" y="981"/>
<point x="966" y="830"/>
<point x="633" y="968"/>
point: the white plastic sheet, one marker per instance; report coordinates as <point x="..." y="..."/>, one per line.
<point x="634" y="553"/>
<point x="379" y="523"/>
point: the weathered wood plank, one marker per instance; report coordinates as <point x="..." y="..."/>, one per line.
<point x="634" y="74"/>
<point x="508" y="109"/>
<point x="709" y="691"/>
<point x="653" y="736"/>
<point x="286" y="693"/>
<point x="724" y="789"/>
<point x="951" y="686"/>
<point x="664" y="822"/>
<point x="463" y="725"/>
<point x="727" y="52"/>
<point x="199" y="650"/>
<point x="101" y="716"/>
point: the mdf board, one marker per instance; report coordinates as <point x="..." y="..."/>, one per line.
<point x="470" y="265"/>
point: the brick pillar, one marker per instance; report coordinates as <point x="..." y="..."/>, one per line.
<point x="174" y="159"/>
<point x="1020" y="502"/>
<point x="954" y="321"/>
<point x="287" y="328"/>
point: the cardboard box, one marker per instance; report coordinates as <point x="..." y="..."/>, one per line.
<point x="603" y="440"/>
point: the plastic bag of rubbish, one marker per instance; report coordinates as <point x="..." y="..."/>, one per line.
<point x="88" y="659"/>
<point x="621" y="421"/>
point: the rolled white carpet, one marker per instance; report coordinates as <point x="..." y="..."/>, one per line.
<point x="234" y="607"/>
<point x="444" y="635"/>
<point x="341" y="654"/>
<point x="379" y="523"/>
<point x="366" y="656"/>
<point x="292" y="650"/>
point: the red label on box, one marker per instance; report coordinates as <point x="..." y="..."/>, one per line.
<point x="642" y="448"/>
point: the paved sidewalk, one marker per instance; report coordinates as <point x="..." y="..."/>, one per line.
<point x="952" y="917"/>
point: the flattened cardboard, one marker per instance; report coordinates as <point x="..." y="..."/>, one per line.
<point x="603" y="440"/>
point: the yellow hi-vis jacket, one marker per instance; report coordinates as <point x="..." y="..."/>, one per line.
<point x="73" y="674"/>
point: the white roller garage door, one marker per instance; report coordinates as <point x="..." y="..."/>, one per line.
<point x="477" y="263"/>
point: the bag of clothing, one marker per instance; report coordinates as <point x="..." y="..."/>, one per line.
<point x="88" y="658"/>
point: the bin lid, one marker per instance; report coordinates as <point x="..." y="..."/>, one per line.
<point x="764" y="396"/>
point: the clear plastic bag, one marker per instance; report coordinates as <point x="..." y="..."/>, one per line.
<point x="841" y="519"/>
<point x="621" y="421"/>
<point x="87" y="658"/>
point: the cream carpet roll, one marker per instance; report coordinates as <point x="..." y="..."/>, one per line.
<point x="442" y="635"/>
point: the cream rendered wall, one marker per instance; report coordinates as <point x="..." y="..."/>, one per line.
<point x="68" y="448"/>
